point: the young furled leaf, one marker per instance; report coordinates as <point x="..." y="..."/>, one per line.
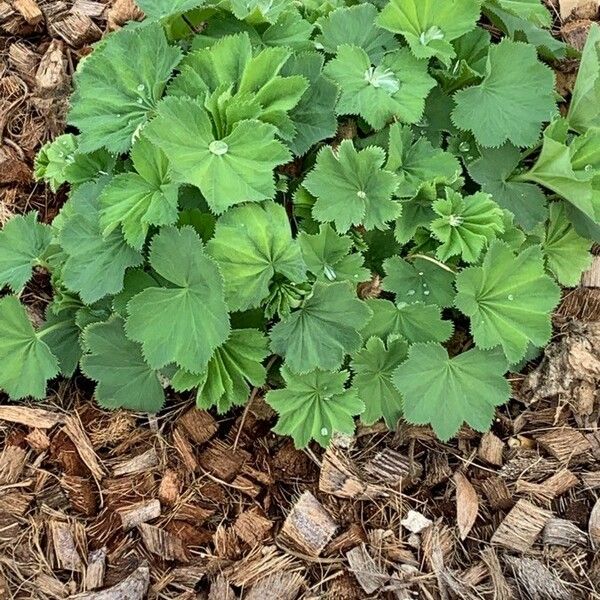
<point x="414" y="322"/>
<point x="252" y="244"/>
<point x="445" y="392"/>
<point x="236" y="363"/>
<point x="161" y="9"/>
<point x="394" y="88"/>
<point x="352" y="188"/>
<point x="418" y="281"/>
<point x="465" y="224"/>
<point x="417" y="162"/>
<point x="509" y="300"/>
<point x="60" y="161"/>
<point x="494" y="170"/>
<point x="117" y="365"/>
<point x="137" y="200"/>
<point x="27" y="362"/>
<point x="584" y="111"/>
<point x="95" y="264"/>
<point x="355" y="25"/>
<point x="23" y="243"/>
<point x="314" y="116"/>
<point x="228" y="171"/>
<point x="323" y="330"/>
<point x="327" y="257"/>
<point x="314" y="406"/>
<point x="570" y="170"/>
<point x="510" y="103"/>
<point x="567" y="254"/>
<point x="186" y="322"/>
<point x="118" y="85"/>
<point x="429" y="26"/>
<point x="373" y="367"/>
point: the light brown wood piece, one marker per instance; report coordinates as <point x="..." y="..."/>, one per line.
<point x="162" y="543"/>
<point x="14" y="504"/>
<point x="12" y="463"/>
<point x="95" y="10"/>
<point x="220" y="460"/>
<point x="369" y="575"/>
<point x="63" y="543"/>
<point x="96" y="568"/>
<point x="51" y="78"/>
<point x="81" y="493"/>
<point x="521" y="526"/>
<point x="38" y="440"/>
<point x="467" y="504"/>
<point x="137" y="464"/>
<point x="594" y="526"/>
<point x="76" y="29"/>
<point x="121" y="12"/>
<point x="79" y="437"/>
<point x="133" y="587"/>
<point x="308" y="526"/>
<point x="393" y="468"/>
<point x="199" y="425"/>
<point x="591" y="278"/>
<point x="536" y="580"/>
<point x="277" y="586"/>
<point x="554" y="486"/>
<point x="246" y="486"/>
<point x="141" y="512"/>
<point x="170" y="487"/>
<point x="561" y="532"/>
<point x="491" y="448"/>
<point x="31" y="417"/>
<point x="564" y="443"/>
<point x="22" y="58"/>
<point x="29" y="10"/>
<point x="252" y="526"/>
<point x="185" y="450"/>
<point x="221" y="590"/>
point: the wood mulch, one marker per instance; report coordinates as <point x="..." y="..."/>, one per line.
<point x="185" y="505"/>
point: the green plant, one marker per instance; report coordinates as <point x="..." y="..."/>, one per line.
<point x="239" y="168"/>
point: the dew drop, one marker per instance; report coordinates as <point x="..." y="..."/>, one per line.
<point x="141" y="87"/>
<point x="140" y="101"/>
<point x="426" y="293"/>
<point x="464" y="147"/>
<point x="324" y="431"/>
<point x="410" y="293"/>
<point x="510" y="297"/>
<point x="589" y="168"/>
<point x="362" y="195"/>
<point x="420" y="273"/>
<point x="218" y="147"/>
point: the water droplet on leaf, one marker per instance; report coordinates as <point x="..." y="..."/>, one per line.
<point x="510" y="297"/>
<point x="218" y="147"/>
<point x="324" y="431"/>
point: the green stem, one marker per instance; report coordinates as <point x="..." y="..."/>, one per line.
<point x="42" y="332"/>
<point x="434" y="261"/>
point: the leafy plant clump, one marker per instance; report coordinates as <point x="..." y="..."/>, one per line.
<point x="314" y="194"/>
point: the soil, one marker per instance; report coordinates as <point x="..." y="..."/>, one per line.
<point x="185" y="505"/>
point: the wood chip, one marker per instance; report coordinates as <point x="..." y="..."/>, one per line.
<point x="63" y="544"/>
<point x="581" y="9"/>
<point x="30" y="417"/>
<point x="162" y="543"/>
<point x="170" y="487"/>
<point x="491" y="448"/>
<point x="121" y="12"/>
<point x="51" y="77"/>
<point x="369" y="575"/>
<point x="591" y="479"/>
<point x="467" y="504"/>
<point x="29" y="10"/>
<point x="15" y="504"/>
<point x="95" y="10"/>
<point x="561" y="532"/>
<point x="591" y="278"/>
<point x="308" y="526"/>
<point x="521" y="526"/>
<point x="393" y="468"/>
<point x="77" y="29"/>
<point x="536" y="580"/>
<point x="553" y="487"/>
<point x="199" y="425"/>
<point x="38" y="440"/>
<point x="594" y="525"/>
<point x="339" y="477"/>
<point x="139" y="513"/>
<point x="96" y="568"/>
<point x="252" y="526"/>
<point x="79" y="437"/>
<point x="502" y="591"/>
<point x="221" y="590"/>
<point x="185" y="450"/>
<point x="277" y="586"/>
<point x="575" y="33"/>
<point x="82" y="494"/>
<point x="12" y="463"/>
<point x="138" y="464"/>
<point x="221" y="461"/>
<point x="133" y="587"/>
<point x="246" y="486"/>
<point x="564" y="443"/>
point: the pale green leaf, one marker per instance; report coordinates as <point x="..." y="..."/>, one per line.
<point x="314" y="406"/>
<point x="23" y="243"/>
<point x="119" y="85"/>
<point x="352" y="188"/>
<point x="373" y="366"/>
<point x="252" y="244"/>
<point x="61" y="334"/>
<point x="444" y="392"/>
<point x="161" y="9"/>
<point x="27" y="362"/>
<point x="186" y="322"/>
<point x="509" y="104"/>
<point x="509" y="300"/>
<point x="323" y="330"/>
<point x="124" y="380"/>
